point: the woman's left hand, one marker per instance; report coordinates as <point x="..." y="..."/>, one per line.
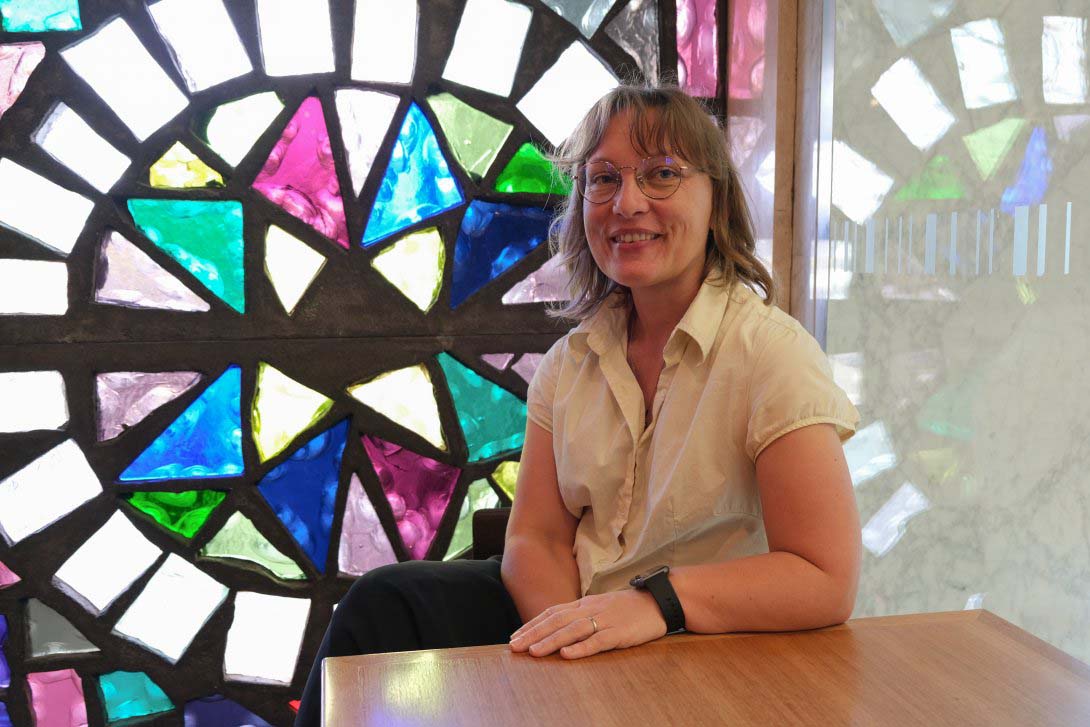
<point x="624" y="619"/>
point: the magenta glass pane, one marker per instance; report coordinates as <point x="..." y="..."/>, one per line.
<point x="56" y="697"/>
<point x="697" y="61"/>
<point x="17" y="62"/>
<point x="417" y="488"/>
<point x="364" y="545"/>
<point x="747" y="49"/>
<point x="300" y="177"/>
<point x="7" y="576"/>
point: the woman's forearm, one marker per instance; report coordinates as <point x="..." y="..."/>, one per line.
<point x="538" y="576"/>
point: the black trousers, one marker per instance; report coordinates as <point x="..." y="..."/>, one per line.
<point x="410" y="606"/>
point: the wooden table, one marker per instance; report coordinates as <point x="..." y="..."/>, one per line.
<point x="959" y="668"/>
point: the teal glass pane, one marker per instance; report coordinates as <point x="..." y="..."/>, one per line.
<point x="418" y="183"/>
<point x="204" y="237"/>
<point x="129" y="694"/>
<point x="493" y="419"/>
<point x="205" y="441"/>
<point x="493" y="237"/>
<point x="39" y="16"/>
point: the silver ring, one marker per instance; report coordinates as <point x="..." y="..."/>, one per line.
<point x="594" y="624"/>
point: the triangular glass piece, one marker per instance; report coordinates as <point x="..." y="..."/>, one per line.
<point x="586" y="15"/>
<point x="179" y="512"/>
<point x="1068" y="124"/>
<point x="179" y="168"/>
<point x="125" y="398"/>
<point x="479" y="497"/>
<point x="529" y="171"/>
<point x="498" y="361"/>
<point x="547" y="284"/>
<point x="217" y="711"/>
<point x="240" y="539"/>
<point x="204" y="442"/>
<point x="493" y="237"/>
<point x="205" y="237"/>
<point x="7" y="576"/>
<point x="527" y="365"/>
<point x="418" y="183"/>
<point x="1033" y="176"/>
<point x="131" y="695"/>
<point x="17" y="62"/>
<point x="300" y="177"/>
<point x="636" y="30"/>
<point x="908" y="21"/>
<point x="475" y="137"/>
<point x="291" y="265"/>
<point x="506" y="476"/>
<point x="989" y="146"/>
<point x="365" y="118"/>
<point x="282" y="409"/>
<point x="414" y="265"/>
<point x="745" y="132"/>
<point x="407" y="397"/>
<point x="938" y="180"/>
<point x="235" y="127"/>
<point x="417" y="488"/>
<point x="125" y="275"/>
<point x="493" y="419"/>
<point x="364" y="544"/>
<point x="52" y="634"/>
<point x="303" y="489"/>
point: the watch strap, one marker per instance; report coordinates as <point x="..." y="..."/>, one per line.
<point x="663" y="592"/>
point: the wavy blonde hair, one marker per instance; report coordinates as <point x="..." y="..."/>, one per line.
<point x="663" y="119"/>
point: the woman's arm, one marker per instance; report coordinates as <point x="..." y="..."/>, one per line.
<point x="538" y="567"/>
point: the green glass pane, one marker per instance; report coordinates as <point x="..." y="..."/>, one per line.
<point x="130" y="694"/>
<point x="180" y="512"/>
<point x="938" y="180"/>
<point x="493" y="419"/>
<point x="480" y="496"/>
<point x="529" y="171"/>
<point x="414" y="265"/>
<point x="40" y="16"/>
<point x="989" y="146"/>
<point x="240" y="539"/>
<point x="474" y="136"/>
<point x="506" y="475"/>
<point x="180" y="168"/>
<point x="283" y="408"/>
<point x="204" y="237"/>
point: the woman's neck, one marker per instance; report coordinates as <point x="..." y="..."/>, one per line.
<point x="655" y="313"/>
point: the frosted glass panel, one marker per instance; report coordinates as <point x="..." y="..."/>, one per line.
<point x="296" y="37"/>
<point x="44" y="491"/>
<point x="33" y="287"/>
<point x="291" y="266"/>
<point x="566" y="92"/>
<point x="365" y="117"/>
<point x="488" y="45"/>
<point x="116" y="65"/>
<point x="264" y="639"/>
<point x="66" y="137"/>
<point x="193" y="28"/>
<point x="861" y="185"/>
<point x="407" y="396"/>
<point x="40" y="209"/>
<point x="912" y="102"/>
<point x="980" y="48"/>
<point x="384" y="41"/>
<point x="236" y="126"/>
<point x="31" y="400"/>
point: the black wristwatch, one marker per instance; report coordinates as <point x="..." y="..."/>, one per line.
<point x="657" y="583"/>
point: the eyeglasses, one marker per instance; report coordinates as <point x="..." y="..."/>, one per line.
<point x="658" y="177"/>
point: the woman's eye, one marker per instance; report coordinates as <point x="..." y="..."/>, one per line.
<point x="602" y="179"/>
<point x="663" y="173"/>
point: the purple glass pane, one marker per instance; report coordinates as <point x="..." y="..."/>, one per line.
<point x="549" y="283"/>
<point x="418" y="489"/>
<point x="1033" y="176"/>
<point x="17" y="62"/>
<point x="126" y="397"/>
<point x="300" y="176"/>
<point x="5" y="670"/>
<point x="56" y="697"/>
<point x="364" y="545"/>
<point x="697" y="59"/>
<point x="747" y="49"/>
<point x="219" y="711"/>
<point x="7" y="576"/>
<point x="527" y="365"/>
<point x="498" y="361"/>
<point x="5" y="718"/>
<point x="125" y="275"/>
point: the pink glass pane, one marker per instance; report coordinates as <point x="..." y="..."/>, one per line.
<point x="498" y="361"/>
<point x="300" y="177"/>
<point x="126" y="397"/>
<point x="364" y="545"/>
<point x="747" y="49"/>
<point x="527" y="365"/>
<point x="7" y="576"/>
<point x="57" y="699"/>
<point x="418" y="489"/>
<point x="549" y="283"/>
<point x="17" y="62"/>
<point x="696" y="47"/>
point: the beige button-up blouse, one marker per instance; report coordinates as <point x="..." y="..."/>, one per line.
<point x="683" y="490"/>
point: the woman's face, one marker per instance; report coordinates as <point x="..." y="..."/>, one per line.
<point x="644" y="243"/>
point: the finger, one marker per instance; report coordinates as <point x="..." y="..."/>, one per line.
<point x="543" y="617"/>
<point x="597" y="643"/>
<point x="574" y="632"/>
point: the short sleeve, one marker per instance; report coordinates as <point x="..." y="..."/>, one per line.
<point x="539" y="399"/>
<point x="792" y="387"/>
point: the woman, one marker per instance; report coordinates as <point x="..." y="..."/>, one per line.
<point x="683" y="466"/>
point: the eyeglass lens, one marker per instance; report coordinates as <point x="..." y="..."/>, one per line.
<point x="658" y="178"/>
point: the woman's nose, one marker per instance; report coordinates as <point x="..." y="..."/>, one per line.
<point x="630" y="199"/>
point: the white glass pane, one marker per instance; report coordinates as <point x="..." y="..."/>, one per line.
<point x="46" y="490"/>
<point x="66" y="137"/>
<point x="205" y="43"/>
<point x="414" y="265"/>
<point x="114" y="63"/>
<point x="407" y="396"/>
<point x="586" y="15"/>
<point x="566" y="92"/>
<point x="911" y="101"/>
<point x="33" y="287"/>
<point x="982" y="63"/>
<point x="869" y="453"/>
<point x="1063" y="60"/>
<point x="235" y="126"/>
<point x="365" y="118"/>
<point x="384" y="41"/>
<point x="858" y="185"/>
<point x="172" y="608"/>
<point x="887" y="526"/>
<point x="106" y="564"/>
<point x="766" y="173"/>
<point x="31" y="400"/>
<point x="40" y="209"/>
<point x="291" y="265"/>
<point x="265" y="636"/>
<point x="488" y="45"/>
<point x="296" y="37"/>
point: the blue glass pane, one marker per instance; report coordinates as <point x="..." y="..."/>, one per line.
<point x="1033" y="177"/>
<point x="5" y="670"/>
<point x="128" y="694"/>
<point x="217" y="711"/>
<point x="38" y="16"/>
<point x="303" y="488"/>
<point x="5" y="719"/>
<point x="418" y="183"/>
<point x="205" y="441"/>
<point x="493" y="419"/>
<point x="493" y="237"/>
